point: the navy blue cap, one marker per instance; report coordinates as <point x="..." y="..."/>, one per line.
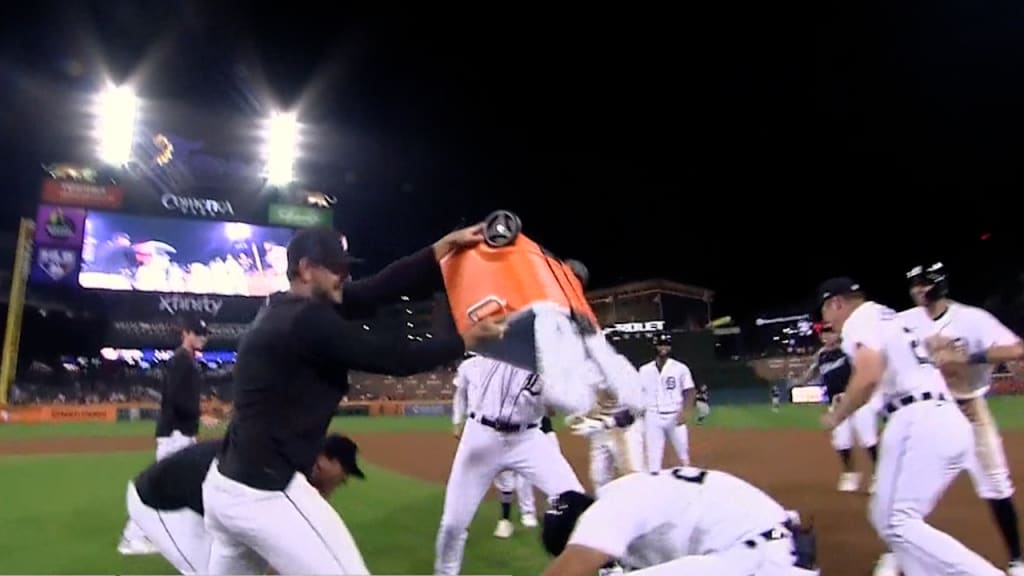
<point x="344" y="450"/>
<point x="322" y="246"/>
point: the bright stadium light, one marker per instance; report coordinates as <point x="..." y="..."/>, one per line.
<point x="117" y="110"/>
<point x="281" y="148"/>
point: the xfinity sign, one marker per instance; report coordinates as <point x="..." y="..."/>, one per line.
<point x="175" y="303"/>
<point x="189" y="206"/>
<point x="637" y="327"/>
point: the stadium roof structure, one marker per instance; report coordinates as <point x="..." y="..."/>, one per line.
<point x="652" y="286"/>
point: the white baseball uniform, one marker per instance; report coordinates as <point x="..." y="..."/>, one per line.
<point x="663" y="391"/>
<point x="973" y="330"/>
<point x="618" y="451"/>
<point x="502" y="433"/>
<point x="692" y="522"/>
<point x="926" y="443"/>
<point x="511" y="481"/>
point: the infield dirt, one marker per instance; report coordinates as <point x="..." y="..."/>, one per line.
<point x="797" y="467"/>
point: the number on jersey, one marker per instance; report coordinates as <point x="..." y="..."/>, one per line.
<point x="917" y="347"/>
<point x="686" y="474"/>
<point x="670" y="383"/>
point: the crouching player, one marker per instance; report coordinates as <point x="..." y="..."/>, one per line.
<point x="679" y="521"/>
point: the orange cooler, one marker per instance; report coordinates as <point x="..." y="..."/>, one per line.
<point x="506" y="274"/>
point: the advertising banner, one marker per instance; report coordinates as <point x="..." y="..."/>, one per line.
<point x="60" y="226"/>
<point x="84" y="194"/>
<point x="299" y="216"/>
<point x="158" y="307"/>
<point x="166" y="334"/>
<point x="53" y="265"/>
<point x="428" y="409"/>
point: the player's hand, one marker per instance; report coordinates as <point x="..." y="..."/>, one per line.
<point x="459" y="240"/>
<point x="588" y="425"/>
<point x="486" y="330"/>
<point x="828" y="421"/>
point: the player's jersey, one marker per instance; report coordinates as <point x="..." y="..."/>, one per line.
<point x="500" y="391"/>
<point x="908" y="367"/>
<point x="834" y="368"/>
<point x="972" y="330"/>
<point x="703" y="395"/>
<point x="649" y="519"/>
<point x="663" y="389"/>
<point x="776" y="391"/>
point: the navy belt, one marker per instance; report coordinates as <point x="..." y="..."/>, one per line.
<point x="892" y="406"/>
<point x="502" y="426"/>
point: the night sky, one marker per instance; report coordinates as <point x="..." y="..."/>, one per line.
<point x="752" y="149"/>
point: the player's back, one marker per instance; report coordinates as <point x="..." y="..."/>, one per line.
<point x="908" y="368"/>
<point x="685" y="511"/>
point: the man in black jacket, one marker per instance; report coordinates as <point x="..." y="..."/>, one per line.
<point x="291" y="372"/>
<point x="166" y="499"/>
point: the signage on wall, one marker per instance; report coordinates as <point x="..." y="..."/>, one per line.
<point x="637" y="327"/>
<point x="189" y="206"/>
<point x="59" y="225"/>
<point x="299" y="216"/>
<point x="85" y="194"/>
<point x="179" y="303"/>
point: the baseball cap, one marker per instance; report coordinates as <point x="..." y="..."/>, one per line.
<point x="195" y="325"/>
<point x="322" y="246"/>
<point x="836" y="287"/>
<point x="344" y="450"/>
<point x="663" y="339"/>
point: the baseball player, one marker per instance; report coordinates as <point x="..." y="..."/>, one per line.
<point x="966" y="342"/>
<point x="677" y="522"/>
<point x="927" y="440"/>
<point x="498" y="407"/>
<point x="179" y="419"/>
<point x="703" y="403"/>
<point x="166" y="499"/>
<point x="512" y="485"/>
<point x="776" y="394"/>
<point x="833" y="367"/>
<point x="669" y="391"/>
<point x="290" y="374"/>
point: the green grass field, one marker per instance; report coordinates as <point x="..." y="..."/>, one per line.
<point x="64" y="514"/>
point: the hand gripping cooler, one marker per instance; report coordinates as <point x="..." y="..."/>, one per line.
<point x="507" y="273"/>
<point x="552" y="330"/>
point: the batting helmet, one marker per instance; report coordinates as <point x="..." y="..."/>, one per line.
<point x="663" y="339"/>
<point x="933" y="276"/>
<point x="560" y="519"/>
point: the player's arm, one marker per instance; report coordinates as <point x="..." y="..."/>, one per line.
<point x="1002" y="345"/>
<point x="337" y="345"/>
<point x="414" y="274"/>
<point x="183" y="388"/>
<point x="689" y="394"/>
<point x="868" y="368"/>
<point x="459" y="402"/>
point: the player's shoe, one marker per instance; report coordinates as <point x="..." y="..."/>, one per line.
<point x="886" y="566"/>
<point x="136" y="547"/>
<point x="528" y="520"/>
<point x="504" y="529"/>
<point x="849" y="482"/>
<point x="1016" y="568"/>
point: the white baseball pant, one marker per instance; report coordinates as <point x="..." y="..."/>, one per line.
<point x="509" y="481"/>
<point x="295" y="530"/>
<point x="483" y="452"/>
<point x="987" y="466"/>
<point x="165" y="446"/>
<point x="925" y="445"/>
<point x="767" y="559"/>
<point x="615" y="453"/>
<point x="860" y="428"/>
<point x="658" y="425"/>
<point x="179" y="535"/>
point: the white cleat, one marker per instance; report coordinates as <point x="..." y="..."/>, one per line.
<point x="141" y="547"/>
<point x="528" y="520"/>
<point x="1016" y="568"/>
<point x="849" y="481"/>
<point x="504" y="529"/>
<point x="886" y="566"/>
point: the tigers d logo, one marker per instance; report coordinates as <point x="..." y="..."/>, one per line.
<point x="59" y="226"/>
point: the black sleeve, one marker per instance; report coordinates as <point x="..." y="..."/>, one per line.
<point x="336" y="344"/>
<point x="183" y="386"/>
<point x="418" y="274"/>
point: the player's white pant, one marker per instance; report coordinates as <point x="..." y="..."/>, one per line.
<point x="658" y="426"/>
<point x="766" y="559"/>
<point x="703" y="409"/>
<point x="510" y="482"/>
<point x="615" y="453"/>
<point x="987" y="466"/>
<point x="860" y="428"/>
<point x="295" y="530"/>
<point x="180" y="535"/>
<point x="482" y="453"/>
<point x="167" y="445"/>
<point x="925" y="445"/>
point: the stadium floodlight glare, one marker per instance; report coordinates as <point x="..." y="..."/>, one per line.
<point x="117" y="109"/>
<point x="281" y="148"/>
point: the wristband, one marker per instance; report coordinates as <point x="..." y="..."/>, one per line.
<point x="978" y="358"/>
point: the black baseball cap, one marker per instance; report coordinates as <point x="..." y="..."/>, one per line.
<point x="322" y="246"/>
<point x="344" y="450"/>
<point x="195" y="325"/>
<point x="663" y="339"/>
<point x="836" y="287"/>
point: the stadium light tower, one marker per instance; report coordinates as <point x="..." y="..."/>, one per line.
<point x="281" y="146"/>
<point x="116" y="113"/>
